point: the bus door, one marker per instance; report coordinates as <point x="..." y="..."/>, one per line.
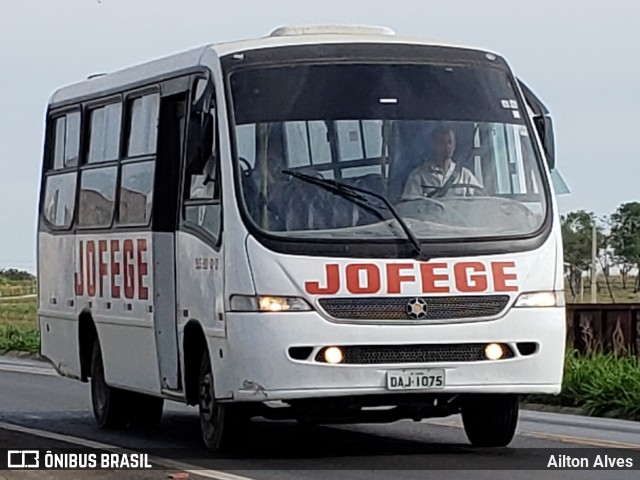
<point x="171" y="141"/>
<point x="199" y="244"/>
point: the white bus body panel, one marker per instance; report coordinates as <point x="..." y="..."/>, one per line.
<point x="200" y="285"/>
<point x="125" y="282"/>
<point x="259" y="367"/>
<point x="57" y="307"/>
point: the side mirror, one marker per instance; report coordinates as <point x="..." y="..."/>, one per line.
<point x="543" y="123"/>
<point x="544" y="126"/>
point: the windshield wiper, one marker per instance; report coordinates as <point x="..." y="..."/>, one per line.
<point x="354" y="194"/>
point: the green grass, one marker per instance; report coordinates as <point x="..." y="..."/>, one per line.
<point x="601" y="384"/>
<point x="10" y="288"/>
<point x="19" y="326"/>
<point x="18" y="339"/>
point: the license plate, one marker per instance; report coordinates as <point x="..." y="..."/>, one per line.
<point x="415" y="379"/>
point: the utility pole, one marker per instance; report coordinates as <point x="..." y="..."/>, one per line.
<point x="594" y="253"/>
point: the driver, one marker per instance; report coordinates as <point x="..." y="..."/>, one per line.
<point x="428" y="179"/>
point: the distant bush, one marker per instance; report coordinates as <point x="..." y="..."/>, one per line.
<point x="14" y="275"/>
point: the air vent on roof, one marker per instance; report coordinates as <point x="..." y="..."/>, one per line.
<point x="331" y="30"/>
<point x="95" y="75"/>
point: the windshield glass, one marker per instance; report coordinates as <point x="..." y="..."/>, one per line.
<point x="446" y="145"/>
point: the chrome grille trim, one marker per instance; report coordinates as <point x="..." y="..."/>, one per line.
<point x="394" y="308"/>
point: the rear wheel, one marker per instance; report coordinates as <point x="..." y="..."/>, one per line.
<point x="490" y="420"/>
<point x="222" y="424"/>
<point x="109" y="404"/>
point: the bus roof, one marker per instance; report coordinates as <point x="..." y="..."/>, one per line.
<point x="282" y="36"/>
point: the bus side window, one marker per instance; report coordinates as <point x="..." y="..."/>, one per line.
<point x="61" y="175"/>
<point x="202" y="206"/>
<point x="136" y="180"/>
<point x="96" y="203"/>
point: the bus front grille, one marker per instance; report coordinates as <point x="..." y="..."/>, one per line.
<point x="390" y="354"/>
<point x="400" y="308"/>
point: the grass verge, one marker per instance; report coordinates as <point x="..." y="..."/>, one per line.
<point x="600" y="384"/>
<point x="18" y="326"/>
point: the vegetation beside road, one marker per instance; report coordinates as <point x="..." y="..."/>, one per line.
<point x="14" y="283"/>
<point x="600" y="384"/>
<point x="18" y="323"/>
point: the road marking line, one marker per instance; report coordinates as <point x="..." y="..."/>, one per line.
<point x="83" y="442"/>
<point x="592" y="442"/>
<point x="27" y="369"/>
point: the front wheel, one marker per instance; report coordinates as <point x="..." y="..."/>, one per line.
<point x="490" y="420"/>
<point x="109" y="404"/>
<point x="222" y="424"/>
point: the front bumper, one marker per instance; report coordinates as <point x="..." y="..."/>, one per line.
<point x="256" y="365"/>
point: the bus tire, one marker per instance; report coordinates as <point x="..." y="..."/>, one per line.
<point x="146" y="410"/>
<point x="222" y="424"/>
<point x="490" y="420"/>
<point x="109" y="404"/>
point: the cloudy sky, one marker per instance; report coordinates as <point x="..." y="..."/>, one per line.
<point x="580" y="56"/>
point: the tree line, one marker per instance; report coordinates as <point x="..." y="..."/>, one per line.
<point x="15" y="275"/>
<point x="617" y="244"/>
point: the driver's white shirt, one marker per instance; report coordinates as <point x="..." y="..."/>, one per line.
<point x="430" y="175"/>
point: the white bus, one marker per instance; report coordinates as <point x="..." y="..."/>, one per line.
<point x="332" y="224"/>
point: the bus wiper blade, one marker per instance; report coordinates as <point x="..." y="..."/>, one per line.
<point x="355" y="195"/>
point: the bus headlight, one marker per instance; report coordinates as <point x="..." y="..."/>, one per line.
<point x="540" y="299"/>
<point x="267" y="303"/>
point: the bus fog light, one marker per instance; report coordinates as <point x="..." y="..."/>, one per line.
<point x="333" y="355"/>
<point x="494" y="351"/>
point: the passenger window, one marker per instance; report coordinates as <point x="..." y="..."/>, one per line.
<point x="307" y="143"/>
<point x="349" y="140"/>
<point x="372" y="132"/>
<point x="97" y="196"/>
<point x="203" y="208"/>
<point x="59" y="199"/>
<point x="246" y="143"/>
<point x="67" y="141"/>
<point x="104" y="138"/>
<point x="320" y="146"/>
<point x="143" y="125"/>
<point x="136" y="191"/>
<point x="297" y="144"/>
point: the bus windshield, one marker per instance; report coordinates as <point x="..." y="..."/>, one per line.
<point x="447" y="146"/>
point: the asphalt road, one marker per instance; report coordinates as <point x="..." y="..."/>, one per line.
<point x="38" y="409"/>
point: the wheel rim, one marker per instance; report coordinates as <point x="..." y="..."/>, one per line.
<point x="99" y="390"/>
<point x="209" y="410"/>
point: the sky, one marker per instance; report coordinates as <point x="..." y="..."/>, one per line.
<point x="581" y="57"/>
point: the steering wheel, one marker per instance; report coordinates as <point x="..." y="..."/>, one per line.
<point x="441" y="192"/>
<point x="420" y="198"/>
<point x="451" y="213"/>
